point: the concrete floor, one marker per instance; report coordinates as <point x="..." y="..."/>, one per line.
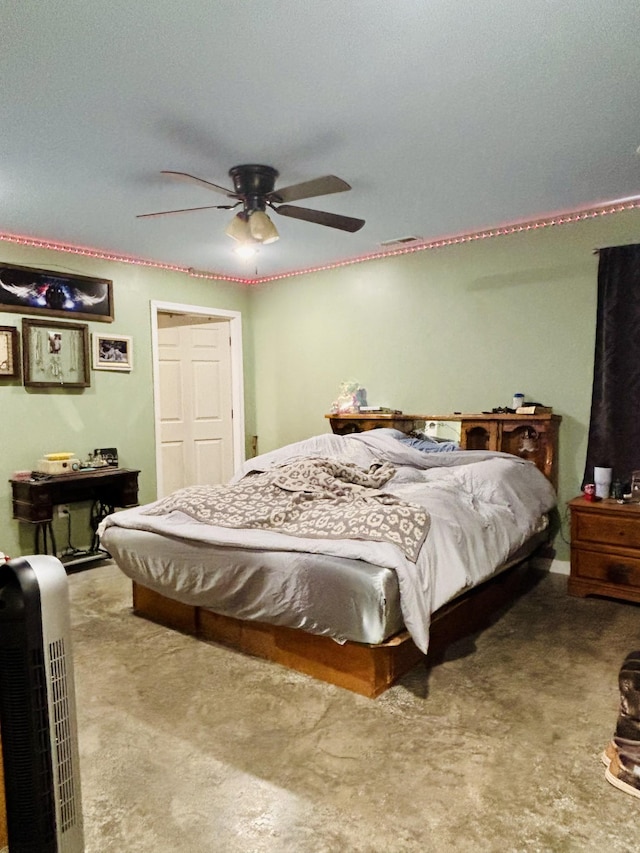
<point x="190" y="747"/>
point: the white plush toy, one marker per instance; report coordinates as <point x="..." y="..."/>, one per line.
<point x="352" y="395"/>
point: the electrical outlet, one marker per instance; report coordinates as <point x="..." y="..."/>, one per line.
<point x="62" y="510"/>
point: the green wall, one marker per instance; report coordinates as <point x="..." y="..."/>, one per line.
<point x="117" y="410"/>
<point x="459" y="328"/>
<point x="454" y="329"/>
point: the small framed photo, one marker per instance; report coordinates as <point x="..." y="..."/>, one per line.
<point x="9" y="353"/>
<point x="111" y="352"/>
<point x="55" y="355"/>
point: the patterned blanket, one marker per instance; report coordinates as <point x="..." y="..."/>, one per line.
<point x="309" y="498"/>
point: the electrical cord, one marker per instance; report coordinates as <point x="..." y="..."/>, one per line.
<point x="71" y="550"/>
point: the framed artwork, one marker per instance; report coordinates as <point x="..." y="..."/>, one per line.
<point x="55" y="355"/>
<point x="9" y="353"/>
<point x="112" y="352"/>
<point x="35" y="291"/>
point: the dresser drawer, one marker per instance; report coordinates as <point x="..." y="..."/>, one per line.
<point x="612" y="529"/>
<point x="611" y="568"/>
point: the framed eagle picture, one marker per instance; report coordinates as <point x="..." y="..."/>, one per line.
<point x="27" y="290"/>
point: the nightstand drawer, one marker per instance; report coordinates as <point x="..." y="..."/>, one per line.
<point x="607" y="529"/>
<point x="611" y="568"/>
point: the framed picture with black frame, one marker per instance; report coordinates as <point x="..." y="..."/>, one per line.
<point x="27" y="290"/>
<point x="55" y="355"/>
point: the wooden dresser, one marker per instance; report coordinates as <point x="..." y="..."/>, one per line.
<point x="533" y="437"/>
<point x="605" y="549"/>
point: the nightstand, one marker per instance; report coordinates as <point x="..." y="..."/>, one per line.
<point x="605" y="549"/>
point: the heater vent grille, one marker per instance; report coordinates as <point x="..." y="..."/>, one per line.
<point x="37" y="708"/>
<point x="30" y="743"/>
<point x="64" y="735"/>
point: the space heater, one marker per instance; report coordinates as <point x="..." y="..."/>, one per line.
<point x="37" y="708"/>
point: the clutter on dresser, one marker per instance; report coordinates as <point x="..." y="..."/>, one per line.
<point x="62" y="462"/>
<point x="521" y="406"/>
<point x="605" y="486"/>
<point x="533" y="409"/>
<point x="95" y="460"/>
<point x="351" y="398"/>
<point x="108" y="455"/>
<point x="67" y="462"/>
<point x="524" y="409"/>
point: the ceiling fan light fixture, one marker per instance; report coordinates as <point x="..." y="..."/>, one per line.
<point x="238" y="229"/>
<point x="246" y="251"/>
<point x="262" y="228"/>
<point x="254" y="189"/>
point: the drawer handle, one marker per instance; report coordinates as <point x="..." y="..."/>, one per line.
<point x="618" y="573"/>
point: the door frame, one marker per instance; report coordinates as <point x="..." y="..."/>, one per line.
<point x="237" y="374"/>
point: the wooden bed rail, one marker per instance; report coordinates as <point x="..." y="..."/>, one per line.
<point x="365" y="669"/>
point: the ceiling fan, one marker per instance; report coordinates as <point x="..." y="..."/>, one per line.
<point x="254" y="189"/>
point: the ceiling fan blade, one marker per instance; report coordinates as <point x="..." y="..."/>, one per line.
<point x="321" y="217"/>
<point x="188" y="210"/>
<point x="308" y="189"/>
<point x="183" y="176"/>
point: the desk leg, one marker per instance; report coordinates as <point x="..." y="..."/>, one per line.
<point x="42" y="529"/>
<point x="99" y="511"/>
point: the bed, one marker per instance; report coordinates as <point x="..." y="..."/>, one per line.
<point x="345" y="557"/>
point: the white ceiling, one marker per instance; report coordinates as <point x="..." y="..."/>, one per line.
<point x="445" y="116"/>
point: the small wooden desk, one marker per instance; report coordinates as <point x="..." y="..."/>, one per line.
<point x="107" y="488"/>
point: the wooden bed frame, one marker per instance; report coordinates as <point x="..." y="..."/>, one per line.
<point x="371" y="669"/>
<point x="365" y="669"/>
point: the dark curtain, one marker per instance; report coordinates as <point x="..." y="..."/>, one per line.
<point x="614" y="428"/>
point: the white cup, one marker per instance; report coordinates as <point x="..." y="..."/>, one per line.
<point x="602" y="479"/>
